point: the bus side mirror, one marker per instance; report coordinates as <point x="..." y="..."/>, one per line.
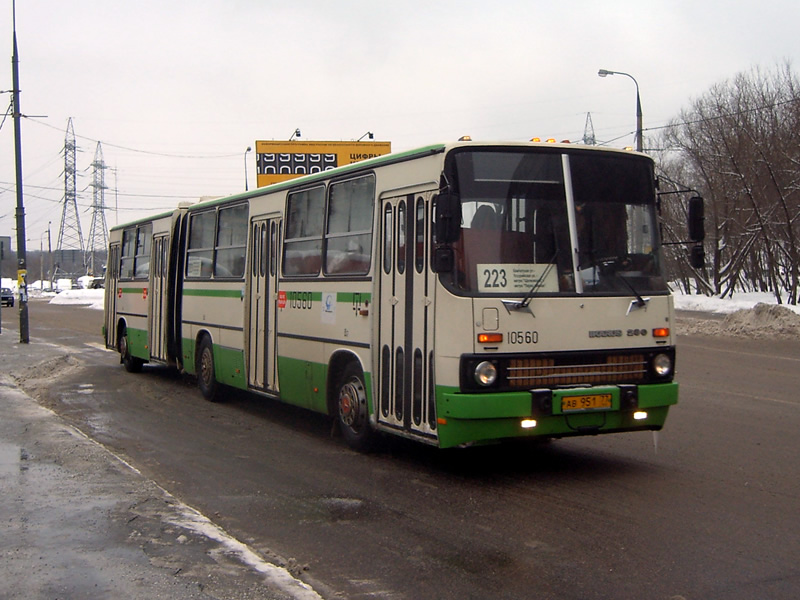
<point x="697" y="227"/>
<point x="448" y="218"/>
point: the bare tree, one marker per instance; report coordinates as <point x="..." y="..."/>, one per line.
<point x="739" y="144"/>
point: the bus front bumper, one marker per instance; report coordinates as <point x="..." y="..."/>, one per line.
<point x="480" y="418"/>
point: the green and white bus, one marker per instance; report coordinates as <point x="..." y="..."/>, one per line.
<point x="455" y="294"/>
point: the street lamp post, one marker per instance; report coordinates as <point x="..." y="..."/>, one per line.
<point x="49" y="256"/>
<point x="605" y="72"/>
<point x="245" y="167"/>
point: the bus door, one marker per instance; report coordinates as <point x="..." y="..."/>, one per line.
<point x="111" y="291"/>
<point x="262" y="273"/>
<point x="405" y="338"/>
<point x="158" y="298"/>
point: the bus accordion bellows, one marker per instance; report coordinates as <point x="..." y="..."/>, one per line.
<point x="455" y="294"/>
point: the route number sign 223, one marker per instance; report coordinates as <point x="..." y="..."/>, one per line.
<point x="521" y="278"/>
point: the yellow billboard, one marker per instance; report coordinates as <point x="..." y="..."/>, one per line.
<point x="281" y="161"/>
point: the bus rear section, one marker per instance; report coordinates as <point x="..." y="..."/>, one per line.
<point x="140" y="291"/>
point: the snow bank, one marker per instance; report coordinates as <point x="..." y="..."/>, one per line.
<point x="92" y="298"/>
<point x="725" y="306"/>
<point x="753" y="315"/>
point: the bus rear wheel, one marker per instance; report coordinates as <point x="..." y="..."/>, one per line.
<point x="352" y="411"/>
<point x="131" y="363"/>
<point x="206" y="372"/>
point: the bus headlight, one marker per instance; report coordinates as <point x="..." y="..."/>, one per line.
<point x="662" y="365"/>
<point x="485" y="373"/>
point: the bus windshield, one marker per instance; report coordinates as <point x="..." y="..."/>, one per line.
<point x="555" y="222"/>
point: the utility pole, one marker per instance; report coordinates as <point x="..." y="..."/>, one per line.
<point x="22" y="269"/>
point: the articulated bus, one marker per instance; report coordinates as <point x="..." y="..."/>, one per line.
<point x="455" y="294"/>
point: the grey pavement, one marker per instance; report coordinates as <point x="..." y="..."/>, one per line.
<point x="77" y="521"/>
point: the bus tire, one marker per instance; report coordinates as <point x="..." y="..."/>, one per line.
<point x="352" y="413"/>
<point x="131" y="363"/>
<point x="206" y="373"/>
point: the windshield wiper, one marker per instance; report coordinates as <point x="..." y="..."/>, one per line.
<point x="526" y="300"/>
<point x="639" y="302"/>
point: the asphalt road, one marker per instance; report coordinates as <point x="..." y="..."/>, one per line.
<point x="706" y="509"/>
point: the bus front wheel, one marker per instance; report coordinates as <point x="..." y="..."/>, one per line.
<point x="351" y="410"/>
<point x="206" y="373"/>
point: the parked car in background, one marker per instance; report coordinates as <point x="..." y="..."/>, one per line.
<point x="7" y="297"/>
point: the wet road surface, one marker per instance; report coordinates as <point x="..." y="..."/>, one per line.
<point x="710" y="514"/>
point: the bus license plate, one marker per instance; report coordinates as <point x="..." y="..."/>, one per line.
<point x="587" y="402"/>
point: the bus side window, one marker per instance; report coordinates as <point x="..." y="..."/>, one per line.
<point x="231" y="240"/>
<point x="388" y="244"/>
<point x="127" y="254"/>
<point x="348" y="238"/>
<point x="302" y="247"/>
<point x="200" y="253"/>
<point x="141" y="261"/>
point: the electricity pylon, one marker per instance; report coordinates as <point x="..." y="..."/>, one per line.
<point x="588" y="131"/>
<point x="70" y="238"/>
<point x="98" y="231"/>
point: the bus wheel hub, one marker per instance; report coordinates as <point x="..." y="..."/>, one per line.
<point x="349" y="405"/>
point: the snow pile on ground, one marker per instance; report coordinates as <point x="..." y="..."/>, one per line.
<point x="753" y="315"/>
<point x="761" y="321"/>
<point x="93" y="298"/>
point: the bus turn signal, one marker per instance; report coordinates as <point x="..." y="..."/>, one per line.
<point x="490" y="338"/>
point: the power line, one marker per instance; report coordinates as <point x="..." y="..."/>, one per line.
<point x="131" y="195"/>
<point x="140" y="151"/>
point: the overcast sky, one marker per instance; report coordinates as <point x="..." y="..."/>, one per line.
<point x="177" y="90"/>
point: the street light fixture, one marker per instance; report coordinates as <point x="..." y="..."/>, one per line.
<point x="604" y="73"/>
<point x="245" y="167"/>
